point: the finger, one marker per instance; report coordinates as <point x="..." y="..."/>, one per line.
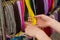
<point x="30" y="20"/>
<point x="29" y="17"/>
<point x="28" y="24"/>
<point x="43" y="35"/>
<point x="39" y="16"/>
<point x="43" y="17"/>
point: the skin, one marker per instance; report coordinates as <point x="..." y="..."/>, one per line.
<point x="47" y="21"/>
<point x="42" y="21"/>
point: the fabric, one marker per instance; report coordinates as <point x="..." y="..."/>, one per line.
<point x="26" y="13"/>
<point x="7" y="38"/>
<point x="2" y="20"/>
<point x="0" y="36"/>
<point x="39" y="7"/>
<point x="17" y="18"/>
<point x="30" y="12"/>
<point x="34" y="6"/>
<point x="46" y="6"/>
<point x="48" y="31"/>
<point x="52" y="4"/>
<point x="55" y="3"/>
<point x="55" y="36"/>
<point x="22" y="13"/>
<point x="58" y="4"/>
<point x="59" y="15"/>
<point x="1" y="12"/>
<point x="56" y="15"/>
<point x="49" y="3"/>
<point x="22" y="37"/>
<point x="18" y="38"/>
<point x="10" y="20"/>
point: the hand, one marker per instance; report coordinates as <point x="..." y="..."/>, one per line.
<point x="44" y="21"/>
<point x="31" y="30"/>
<point x="35" y="32"/>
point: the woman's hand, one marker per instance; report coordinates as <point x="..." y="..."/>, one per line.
<point x="44" y="21"/>
<point x="31" y="30"/>
<point x="35" y="32"/>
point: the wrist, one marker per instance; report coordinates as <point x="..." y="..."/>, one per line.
<point x="54" y="24"/>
